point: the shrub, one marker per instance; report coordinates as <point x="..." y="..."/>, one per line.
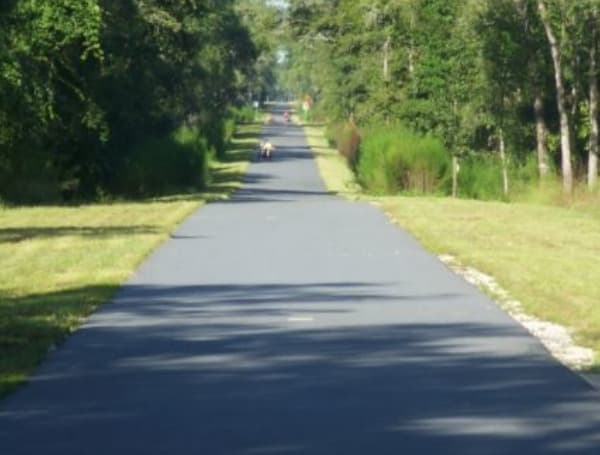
<point x="214" y="132"/>
<point x="243" y="114"/>
<point x="394" y="159"/>
<point x="331" y="133"/>
<point x="524" y="174"/>
<point x="165" y="165"/>
<point x="348" y="142"/>
<point x="30" y="178"/>
<point x="229" y="130"/>
<point x="480" y="177"/>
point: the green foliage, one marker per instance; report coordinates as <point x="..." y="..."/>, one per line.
<point x="523" y="175"/>
<point x="165" y="165"/>
<point x="244" y="114"/>
<point x="480" y="177"/>
<point x="331" y="133"/>
<point x="228" y="130"/>
<point x="84" y="84"/>
<point x="30" y="179"/>
<point x="394" y="159"/>
<point x="263" y="21"/>
<point x="465" y="71"/>
<point x="346" y="138"/>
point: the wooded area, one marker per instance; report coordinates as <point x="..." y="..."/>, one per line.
<point x="104" y="98"/>
<point x="510" y="87"/>
<point x="121" y="97"/>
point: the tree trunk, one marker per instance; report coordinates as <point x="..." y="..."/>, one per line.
<point x="592" y="179"/>
<point x="411" y="59"/>
<point x="411" y="46"/>
<point x="541" y="129"/>
<point x="502" y="151"/>
<point x="541" y="132"/>
<point x="454" y="176"/>
<point x="386" y="57"/>
<point x="561" y="101"/>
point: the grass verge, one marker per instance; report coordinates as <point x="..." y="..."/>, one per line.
<point x="59" y="263"/>
<point x="547" y="257"/>
<point x="337" y="176"/>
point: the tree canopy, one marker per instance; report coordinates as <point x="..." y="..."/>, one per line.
<point x="516" y="75"/>
<point x="85" y="85"/>
<point x="83" y="82"/>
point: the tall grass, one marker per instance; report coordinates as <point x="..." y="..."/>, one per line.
<point x="330" y="133"/>
<point x="480" y="177"/>
<point x="229" y="130"/>
<point x="549" y="191"/>
<point x="347" y="140"/>
<point x="394" y="159"/>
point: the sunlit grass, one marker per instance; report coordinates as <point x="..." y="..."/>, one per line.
<point x="337" y="176"/>
<point x="545" y="252"/>
<point x="550" y="192"/>
<point x="59" y="263"/>
<point x="546" y="257"/>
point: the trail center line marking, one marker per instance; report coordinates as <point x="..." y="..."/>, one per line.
<point x="300" y="319"/>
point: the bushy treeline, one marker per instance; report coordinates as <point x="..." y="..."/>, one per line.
<point x="116" y="96"/>
<point x="393" y="158"/>
<point x="508" y="86"/>
<point x="396" y="159"/>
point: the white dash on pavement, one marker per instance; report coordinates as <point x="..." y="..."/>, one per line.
<point x="300" y="319"/>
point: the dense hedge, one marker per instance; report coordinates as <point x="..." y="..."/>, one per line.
<point x="163" y="165"/>
<point x="393" y="159"/>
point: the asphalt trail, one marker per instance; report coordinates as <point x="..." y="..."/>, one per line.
<point x="288" y="321"/>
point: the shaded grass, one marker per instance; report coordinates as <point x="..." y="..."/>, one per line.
<point x="546" y="256"/>
<point x="59" y="263"/>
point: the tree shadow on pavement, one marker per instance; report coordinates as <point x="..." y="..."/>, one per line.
<point x="275" y="195"/>
<point x="293" y="368"/>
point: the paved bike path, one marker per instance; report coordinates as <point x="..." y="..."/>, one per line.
<point x="289" y="321"/>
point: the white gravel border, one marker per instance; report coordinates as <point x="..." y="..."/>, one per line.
<point x="556" y="338"/>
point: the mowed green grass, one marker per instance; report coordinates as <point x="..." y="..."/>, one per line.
<point x="59" y="263"/>
<point x="546" y="256"/>
<point x="338" y="177"/>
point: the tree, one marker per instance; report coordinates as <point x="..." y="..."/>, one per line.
<point x="561" y="91"/>
<point x="593" y="98"/>
<point x="85" y="83"/>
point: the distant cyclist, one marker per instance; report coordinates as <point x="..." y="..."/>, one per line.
<point x="266" y="151"/>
